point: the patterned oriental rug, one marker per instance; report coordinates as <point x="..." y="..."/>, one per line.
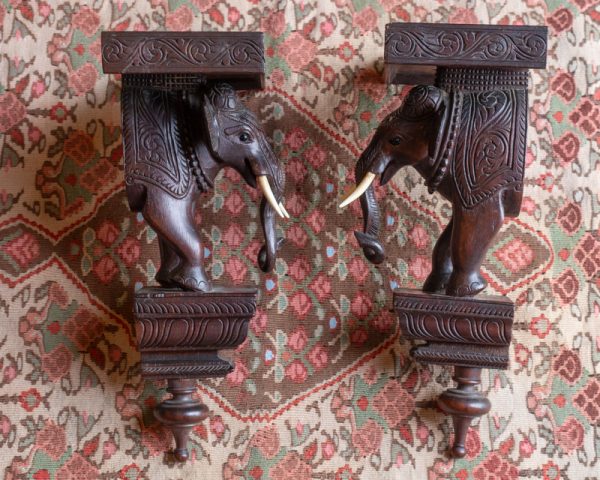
<point x="323" y="388"/>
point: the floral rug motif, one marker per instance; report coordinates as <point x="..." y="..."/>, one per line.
<point x="324" y="387"/>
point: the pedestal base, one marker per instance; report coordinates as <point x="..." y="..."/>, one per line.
<point x="179" y="334"/>
<point x="468" y="333"/>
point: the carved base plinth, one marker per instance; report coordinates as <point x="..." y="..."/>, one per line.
<point x="469" y="333"/>
<point x="179" y="334"/>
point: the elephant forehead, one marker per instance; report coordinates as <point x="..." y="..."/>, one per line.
<point x="422" y="102"/>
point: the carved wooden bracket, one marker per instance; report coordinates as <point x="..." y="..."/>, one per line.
<point x="479" y="79"/>
<point x="182" y="123"/>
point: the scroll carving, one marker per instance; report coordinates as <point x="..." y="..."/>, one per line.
<point x="180" y="52"/>
<point x="465" y="45"/>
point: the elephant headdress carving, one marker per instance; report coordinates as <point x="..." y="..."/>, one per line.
<point x="176" y="141"/>
<point x="469" y="144"/>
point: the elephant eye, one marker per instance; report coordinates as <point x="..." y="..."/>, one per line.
<point x="396" y="141"/>
<point x="245" y="137"/>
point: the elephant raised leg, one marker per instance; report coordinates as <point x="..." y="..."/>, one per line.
<point x="441" y="263"/>
<point x="472" y="233"/>
<point x="181" y="248"/>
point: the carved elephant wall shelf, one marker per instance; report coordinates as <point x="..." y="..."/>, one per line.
<point x="464" y="129"/>
<point x="182" y="123"/>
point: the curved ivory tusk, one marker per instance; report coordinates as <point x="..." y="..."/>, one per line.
<point x="263" y="182"/>
<point x="359" y="190"/>
<point x="283" y="210"/>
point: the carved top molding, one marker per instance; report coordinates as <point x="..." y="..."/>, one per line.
<point x="222" y="55"/>
<point x="239" y="302"/>
<point x="487" y="306"/>
<point x="490" y="46"/>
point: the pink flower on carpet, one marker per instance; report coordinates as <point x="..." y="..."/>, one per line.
<point x="83" y="328"/>
<point x="291" y="467"/>
<point x="236" y="269"/>
<point x="569" y="435"/>
<point x="568" y="365"/>
<point x="566" y="148"/>
<point x="563" y="84"/>
<point x="267" y="441"/>
<point x="57" y="363"/>
<point x="298" y="339"/>
<point x="24" y="249"/>
<point x="301" y="304"/>
<point x="296" y="138"/>
<point x="205" y="5"/>
<point x="52" y="440"/>
<point x="79" y="147"/>
<point x="297" y="51"/>
<point x="318" y="356"/>
<point x="419" y="267"/>
<point x="463" y="15"/>
<point x="234" y="236"/>
<point x="129" y="250"/>
<point x="12" y="111"/>
<point x="321" y="286"/>
<point x="234" y="203"/>
<point x="419" y="237"/>
<point x="495" y="467"/>
<point x="157" y="439"/>
<point x="365" y="20"/>
<point x="30" y="399"/>
<point x="296" y="371"/>
<point x="296" y="170"/>
<point x="359" y="269"/>
<point x="569" y="217"/>
<point x="299" y="269"/>
<point x="274" y="23"/>
<point x="316" y="220"/>
<point x="180" y="20"/>
<point x="316" y="155"/>
<point x="472" y="444"/>
<point x="107" y="233"/>
<point x="515" y="255"/>
<point x="367" y="439"/>
<point x="297" y="236"/>
<point x="393" y="403"/>
<point x="361" y="305"/>
<point x="105" y="269"/>
<point x="86" y="20"/>
<point x="560" y="20"/>
<point x="566" y="286"/>
<point x="83" y="79"/>
<point x="239" y="374"/>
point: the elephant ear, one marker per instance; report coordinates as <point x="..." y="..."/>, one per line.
<point x="439" y="121"/>
<point x="211" y="120"/>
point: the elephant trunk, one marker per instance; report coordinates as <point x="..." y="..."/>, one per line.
<point x="268" y="252"/>
<point x="368" y="238"/>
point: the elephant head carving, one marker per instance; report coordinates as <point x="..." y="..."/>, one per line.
<point x="176" y="142"/>
<point x="469" y="146"/>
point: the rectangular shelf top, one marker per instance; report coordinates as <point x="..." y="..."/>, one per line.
<point x="216" y="55"/>
<point x="414" y="51"/>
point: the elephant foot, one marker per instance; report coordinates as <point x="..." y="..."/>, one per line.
<point x="191" y="278"/>
<point x="164" y="279"/>
<point x="436" y="282"/>
<point x="465" y="285"/>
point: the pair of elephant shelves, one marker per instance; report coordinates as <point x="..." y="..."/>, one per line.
<point x="463" y="127"/>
